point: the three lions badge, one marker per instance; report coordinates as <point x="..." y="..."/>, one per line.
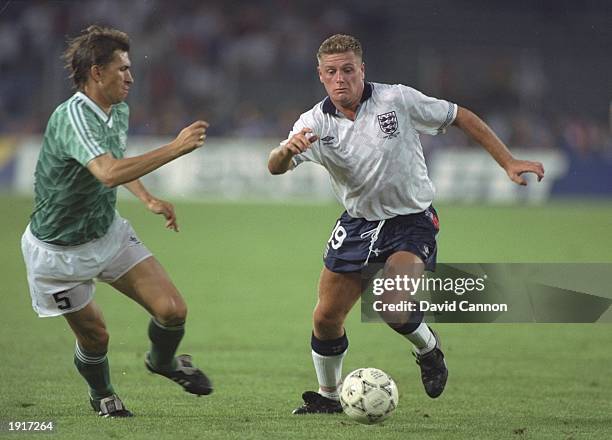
<point x="388" y="123"/>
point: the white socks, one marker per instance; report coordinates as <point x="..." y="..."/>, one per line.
<point x="329" y="373"/>
<point x="422" y="338"/>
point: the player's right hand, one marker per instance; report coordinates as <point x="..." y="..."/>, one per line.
<point x="301" y="141"/>
<point x="191" y="137"/>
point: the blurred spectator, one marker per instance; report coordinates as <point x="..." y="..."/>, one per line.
<point x="246" y="66"/>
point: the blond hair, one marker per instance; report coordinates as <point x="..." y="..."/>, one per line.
<point x="340" y="43"/>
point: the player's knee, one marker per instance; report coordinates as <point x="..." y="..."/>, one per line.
<point x="172" y="312"/>
<point x="404" y="263"/>
<point x="327" y="321"/>
<point x="95" y="340"/>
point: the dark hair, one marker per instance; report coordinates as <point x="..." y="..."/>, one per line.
<point x="340" y="43"/>
<point x="95" y="46"/>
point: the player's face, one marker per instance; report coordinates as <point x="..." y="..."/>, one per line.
<point x="342" y="74"/>
<point x="116" y="78"/>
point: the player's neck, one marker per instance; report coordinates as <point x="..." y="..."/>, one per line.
<point x="97" y="97"/>
<point x="349" y="111"/>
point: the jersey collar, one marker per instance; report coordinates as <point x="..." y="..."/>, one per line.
<point x="107" y="119"/>
<point x="330" y="108"/>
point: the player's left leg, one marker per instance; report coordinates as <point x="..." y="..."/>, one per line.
<point x="426" y="343"/>
<point x="149" y="285"/>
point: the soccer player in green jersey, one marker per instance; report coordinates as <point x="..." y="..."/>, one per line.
<point x="75" y="234"/>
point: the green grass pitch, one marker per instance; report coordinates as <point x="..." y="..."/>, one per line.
<point x="249" y="274"/>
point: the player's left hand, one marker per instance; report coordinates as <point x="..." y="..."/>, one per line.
<point x="516" y="168"/>
<point x="166" y="209"/>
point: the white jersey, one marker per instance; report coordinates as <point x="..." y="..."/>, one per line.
<point x="376" y="164"/>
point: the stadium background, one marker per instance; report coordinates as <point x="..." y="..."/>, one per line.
<point x="248" y="255"/>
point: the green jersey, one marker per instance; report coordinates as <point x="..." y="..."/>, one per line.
<point x="71" y="205"/>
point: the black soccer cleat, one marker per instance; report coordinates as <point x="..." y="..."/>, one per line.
<point x="110" y="407"/>
<point x="433" y="369"/>
<point x="192" y="379"/>
<point x="314" y="403"/>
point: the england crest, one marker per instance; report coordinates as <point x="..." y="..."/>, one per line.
<point x="388" y="122"/>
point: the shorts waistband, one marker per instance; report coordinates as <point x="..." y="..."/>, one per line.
<point x="57" y="247"/>
<point x="391" y="217"/>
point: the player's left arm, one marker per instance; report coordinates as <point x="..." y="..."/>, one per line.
<point x="155" y="205"/>
<point x="480" y="132"/>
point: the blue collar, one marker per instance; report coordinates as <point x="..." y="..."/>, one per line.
<point x="330" y="108"/>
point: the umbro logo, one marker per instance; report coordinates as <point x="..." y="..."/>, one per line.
<point x="328" y="140"/>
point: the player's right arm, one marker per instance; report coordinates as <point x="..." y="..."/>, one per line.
<point x="113" y="172"/>
<point x="280" y="161"/>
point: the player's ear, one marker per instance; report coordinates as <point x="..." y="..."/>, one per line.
<point x="320" y="73"/>
<point x="95" y="72"/>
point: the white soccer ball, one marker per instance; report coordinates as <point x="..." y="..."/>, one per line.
<point x="368" y="395"/>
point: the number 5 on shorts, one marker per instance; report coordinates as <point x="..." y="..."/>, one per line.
<point x="63" y="303"/>
<point x="337" y="236"/>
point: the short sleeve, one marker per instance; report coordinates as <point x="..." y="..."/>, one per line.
<point x="84" y="136"/>
<point x="312" y="154"/>
<point x="428" y="115"/>
<point x="121" y="116"/>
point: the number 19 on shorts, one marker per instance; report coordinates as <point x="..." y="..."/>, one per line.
<point x="337" y="236"/>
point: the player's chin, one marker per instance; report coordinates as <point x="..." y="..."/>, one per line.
<point x="344" y="98"/>
<point x="119" y="98"/>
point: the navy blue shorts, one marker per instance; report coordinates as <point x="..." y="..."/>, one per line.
<point x="356" y="242"/>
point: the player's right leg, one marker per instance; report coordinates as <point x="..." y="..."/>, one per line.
<point x="338" y="292"/>
<point x="90" y="356"/>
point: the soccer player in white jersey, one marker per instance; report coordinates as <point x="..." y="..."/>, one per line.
<point x="75" y="234"/>
<point x="366" y="135"/>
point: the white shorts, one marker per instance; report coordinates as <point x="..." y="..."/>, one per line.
<point x="61" y="277"/>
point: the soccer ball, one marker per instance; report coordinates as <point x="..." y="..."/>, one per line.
<point x="368" y="395"/>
